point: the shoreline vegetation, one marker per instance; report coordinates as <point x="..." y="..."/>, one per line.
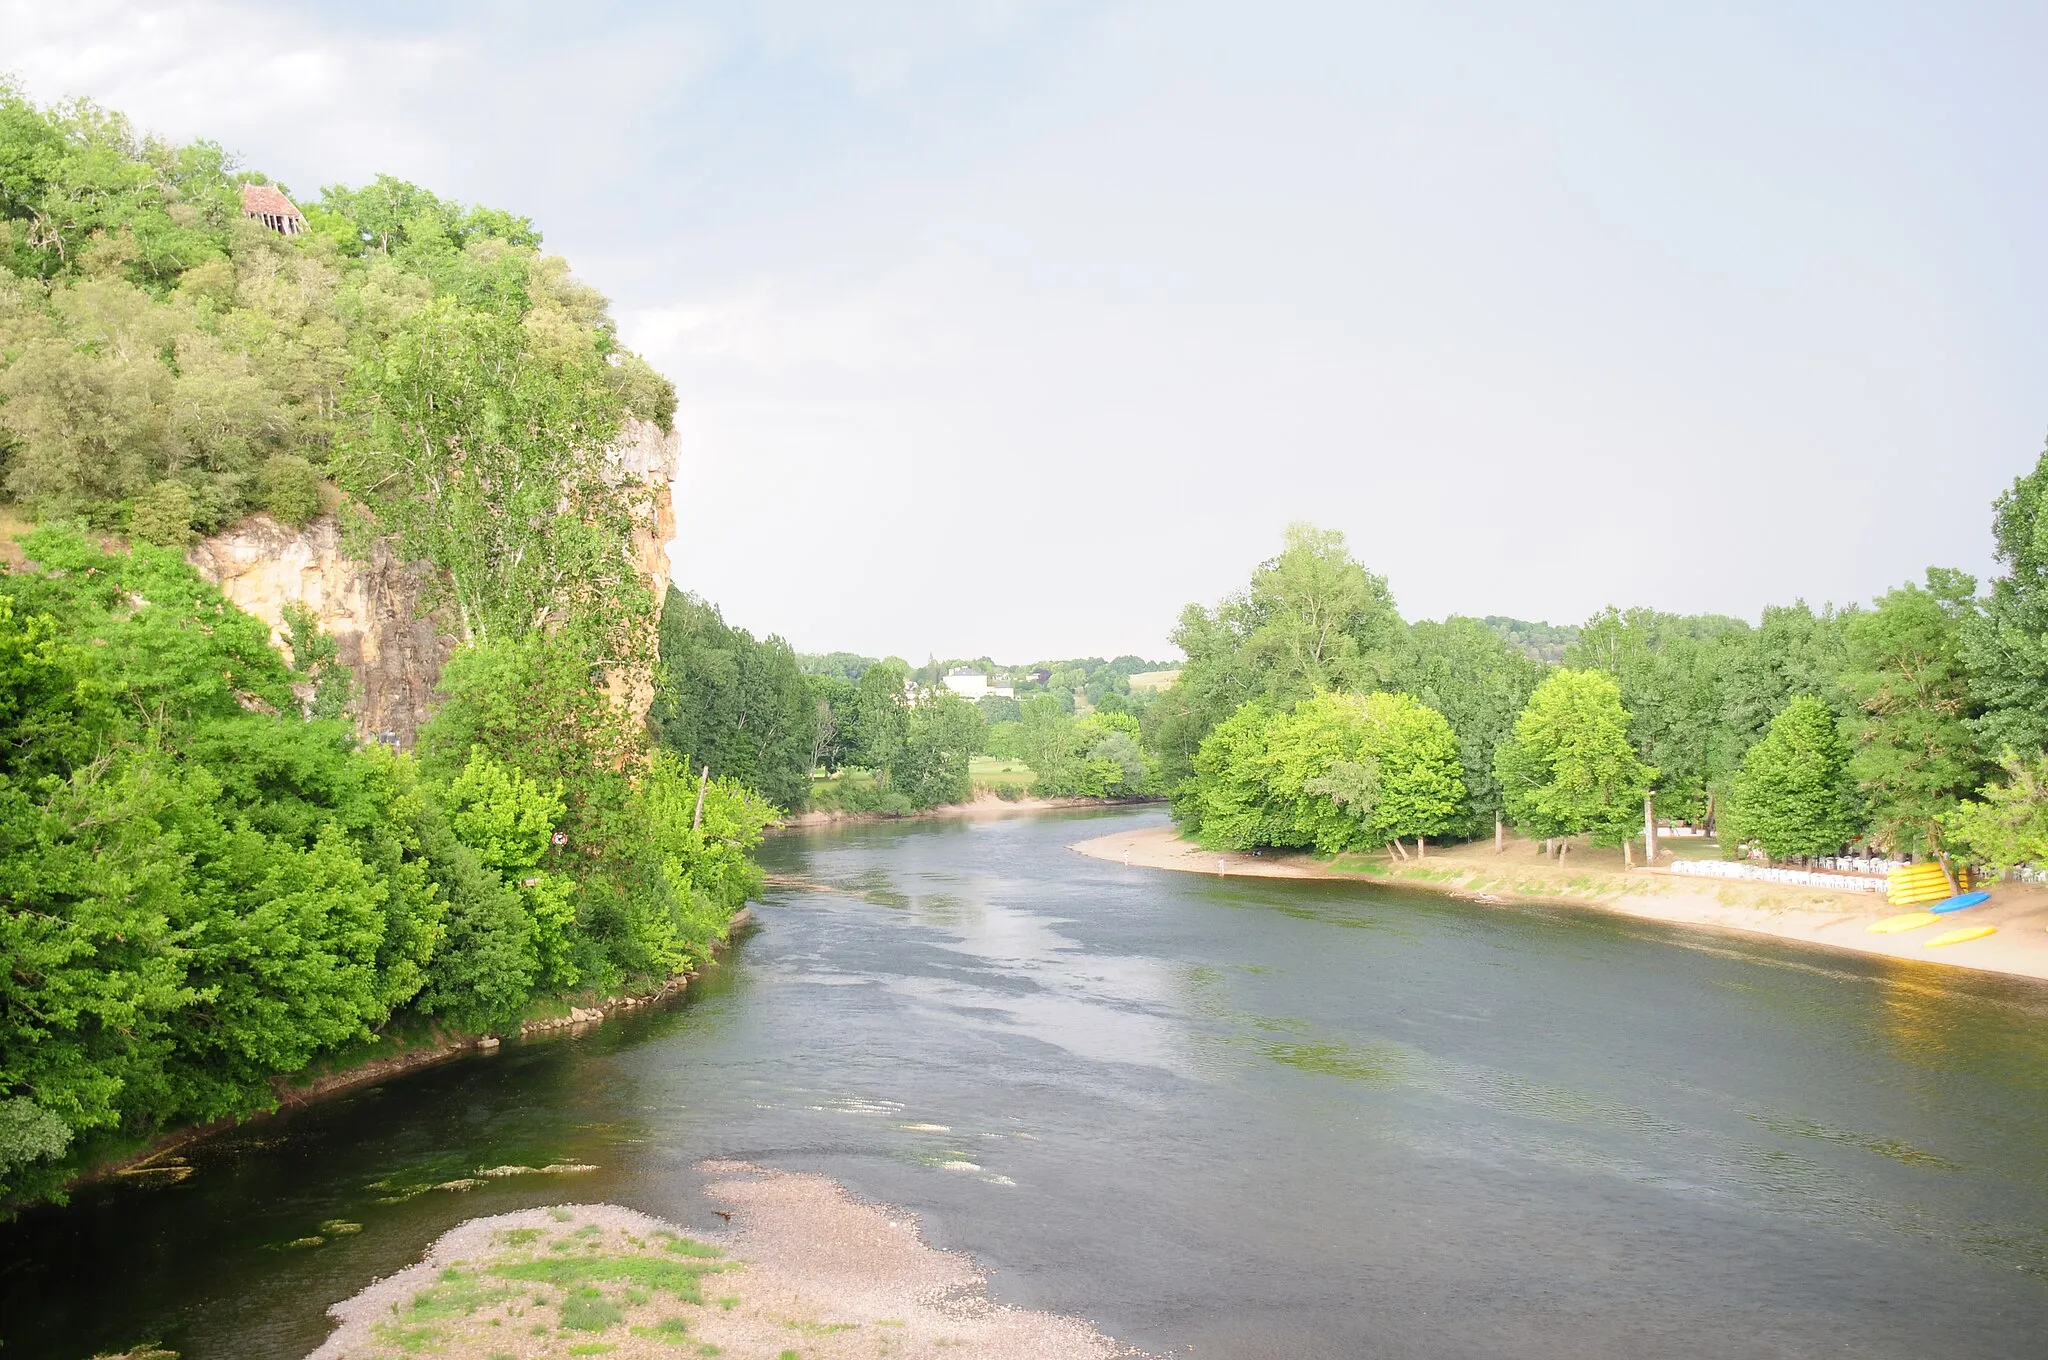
<point x="230" y="853"/>
<point x="799" y="1267"/>
<point x="413" y="1051"/>
<point x="1597" y="879"/>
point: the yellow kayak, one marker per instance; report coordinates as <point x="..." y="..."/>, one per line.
<point x="1892" y="925"/>
<point x="1958" y="936"/>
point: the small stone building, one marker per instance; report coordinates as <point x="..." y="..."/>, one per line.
<point x="268" y="205"/>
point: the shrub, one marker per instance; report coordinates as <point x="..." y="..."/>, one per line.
<point x="163" y="515"/>
<point x="291" y="489"/>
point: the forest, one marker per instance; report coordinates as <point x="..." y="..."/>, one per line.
<point x="1308" y="714"/>
<point x="207" y="883"/>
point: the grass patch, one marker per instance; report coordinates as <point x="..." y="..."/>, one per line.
<point x="407" y="1340"/>
<point x="592" y="1348"/>
<point x="669" y="1329"/>
<point x="809" y="1328"/>
<point x="454" y="1295"/>
<point x="683" y="1246"/>
<point x="587" y="1310"/>
<point x="574" y="1272"/>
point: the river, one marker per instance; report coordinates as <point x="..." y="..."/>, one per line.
<point x="1254" y="1118"/>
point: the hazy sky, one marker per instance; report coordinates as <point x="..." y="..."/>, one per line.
<point x="1011" y="328"/>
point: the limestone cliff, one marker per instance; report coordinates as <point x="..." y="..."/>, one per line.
<point x="372" y="609"/>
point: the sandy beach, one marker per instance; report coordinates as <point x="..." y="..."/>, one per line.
<point x="1596" y="879"/>
<point x="800" y="1269"/>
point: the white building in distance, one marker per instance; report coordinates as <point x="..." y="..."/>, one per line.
<point x="972" y="685"/>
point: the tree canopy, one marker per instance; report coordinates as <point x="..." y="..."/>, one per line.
<point x="1570" y="767"/>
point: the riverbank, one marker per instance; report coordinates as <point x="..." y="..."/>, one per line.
<point x="983" y="804"/>
<point x="1597" y="879"/>
<point x="797" y="1267"/>
<point x="387" y="1055"/>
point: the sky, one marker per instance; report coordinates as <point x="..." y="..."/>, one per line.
<point x="1010" y="328"/>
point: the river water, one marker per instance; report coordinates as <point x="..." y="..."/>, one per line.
<point x="1249" y="1118"/>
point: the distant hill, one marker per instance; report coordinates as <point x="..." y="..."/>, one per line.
<point x="1545" y="642"/>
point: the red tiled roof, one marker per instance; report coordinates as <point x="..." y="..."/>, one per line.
<point x="259" y="200"/>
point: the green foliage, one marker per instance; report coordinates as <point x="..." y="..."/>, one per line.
<point x="1338" y="772"/>
<point x="1794" y="794"/>
<point x="2006" y="644"/>
<point x="1468" y="671"/>
<point x="202" y="888"/>
<point x="163" y="516"/>
<point x="1570" y="767"/>
<point x="2006" y="825"/>
<point x="152" y="335"/>
<point x="290" y="489"/>
<point x="480" y="443"/>
<point x="740" y="706"/>
<point x="1312" y="618"/>
<point x="1093" y="757"/>
<point x="1915" y="753"/>
<point x="1670" y="669"/>
<point x="941" y="737"/>
<point x="317" y="660"/>
<point x="205" y="883"/>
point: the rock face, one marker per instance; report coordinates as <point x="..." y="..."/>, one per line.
<point x="394" y="647"/>
<point x="371" y="609"/>
<point x="647" y="456"/>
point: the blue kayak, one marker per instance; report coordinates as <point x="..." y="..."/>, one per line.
<point x="1957" y="903"/>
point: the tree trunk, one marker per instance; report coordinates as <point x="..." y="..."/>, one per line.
<point x="1628" y="854"/>
<point x="1548" y="853"/>
<point x="1650" y="829"/>
<point x="1420" y="849"/>
<point x="697" y="822"/>
<point x="1500" y="835"/>
<point x="1399" y="849"/>
<point x="1562" y="847"/>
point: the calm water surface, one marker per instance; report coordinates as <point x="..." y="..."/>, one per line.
<point x="1259" y="1119"/>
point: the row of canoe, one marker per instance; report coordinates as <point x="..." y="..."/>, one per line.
<point x="1913" y="920"/>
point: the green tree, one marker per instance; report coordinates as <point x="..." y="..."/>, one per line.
<point x="1670" y="669"/>
<point x="509" y="821"/>
<point x="1227" y="803"/>
<point x="2006" y="644"/>
<point x="881" y="716"/>
<point x="1312" y="618"/>
<point x="483" y="450"/>
<point x="1915" y="754"/>
<point x="1358" y="770"/>
<point x="1794" y="794"/>
<point x="2006" y="825"/>
<point x="1570" y="768"/>
<point x="940" y="738"/>
<point x="1467" y="671"/>
<point x="291" y="489"/>
<point x="741" y="706"/>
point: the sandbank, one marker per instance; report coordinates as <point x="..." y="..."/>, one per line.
<point x="801" y="1268"/>
<point x="1596" y="879"/>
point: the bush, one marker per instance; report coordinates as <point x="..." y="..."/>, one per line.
<point x="291" y="490"/>
<point x="163" y="515"/>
